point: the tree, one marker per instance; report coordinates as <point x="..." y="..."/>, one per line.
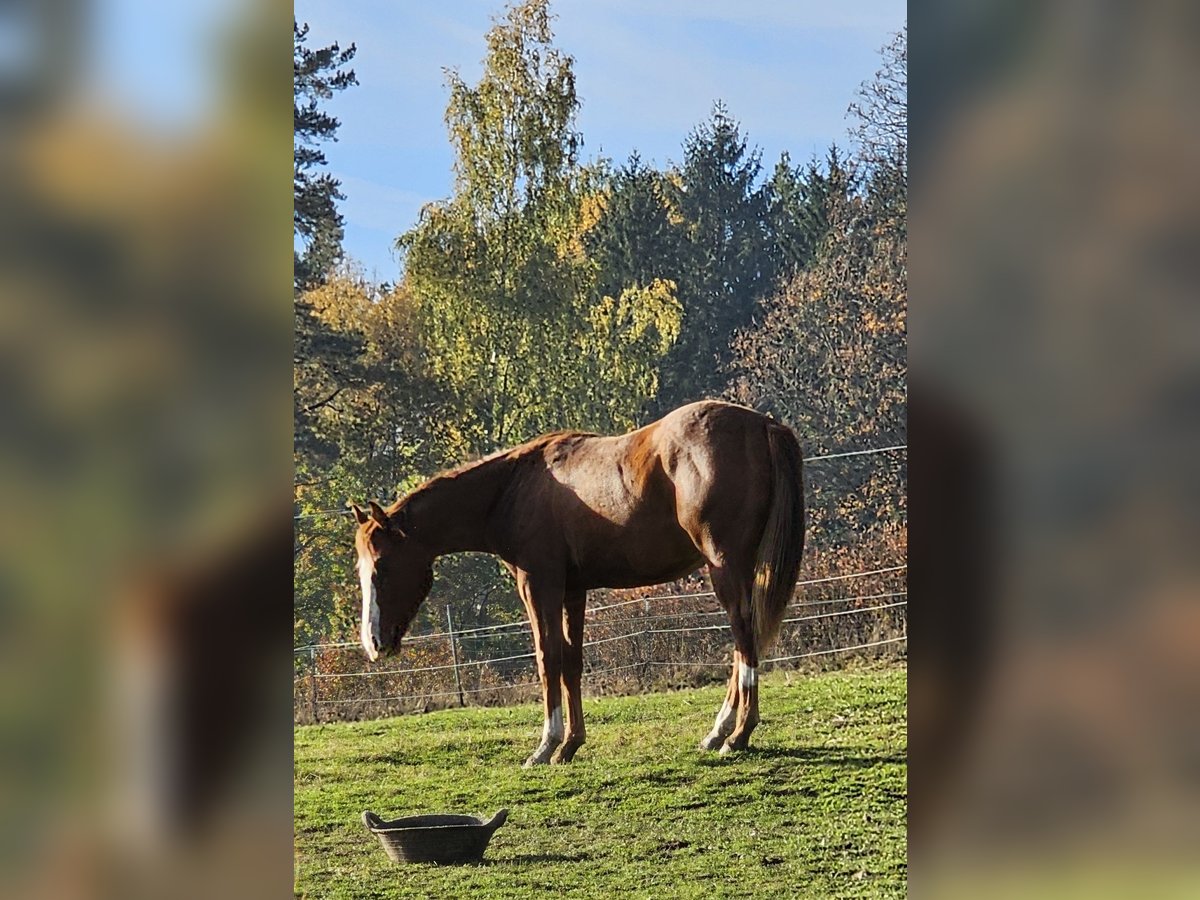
<point x="827" y="352"/>
<point x="627" y="335"/>
<point x="316" y="76"/>
<point x="829" y="357"/>
<point x="379" y="431"/>
<point x="484" y="264"/>
<point x="798" y="203"/>
<point x="727" y="265"/>
<point x="500" y="272"/>
<point x="881" y="109"/>
<point x="637" y="238"/>
<point x="322" y="357"/>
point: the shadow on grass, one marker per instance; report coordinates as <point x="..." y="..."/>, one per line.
<point x="539" y="858"/>
<point x="830" y="756"/>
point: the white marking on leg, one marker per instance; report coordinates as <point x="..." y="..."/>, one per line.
<point x="552" y="731"/>
<point x="725" y="720"/>
<point x="747" y="677"/>
<point x="369" y="628"/>
<point x="144" y="696"/>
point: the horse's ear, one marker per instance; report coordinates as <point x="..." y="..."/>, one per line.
<point x="395" y="523"/>
<point x="380" y="517"/>
<point x="359" y="514"/>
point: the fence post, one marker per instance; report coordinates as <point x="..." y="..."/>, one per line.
<point x="312" y="683"/>
<point x="454" y="653"/>
<point x="642" y="642"/>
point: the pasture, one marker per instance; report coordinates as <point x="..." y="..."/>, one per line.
<point x="816" y="807"/>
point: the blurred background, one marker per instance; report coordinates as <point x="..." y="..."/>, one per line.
<point x="144" y="359"/>
<point x="1055" y="672"/>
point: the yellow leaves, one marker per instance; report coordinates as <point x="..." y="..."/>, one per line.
<point x="624" y="344"/>
<point x="675" y="180"/>
<point x="388" y="321"/>
<point x="649" y="316"/>
<point x="873" y="324"/>
<point x="591" y="208"/>
<point x="341" y="302"/>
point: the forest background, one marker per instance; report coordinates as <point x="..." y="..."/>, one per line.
<point x="551" y="291"/>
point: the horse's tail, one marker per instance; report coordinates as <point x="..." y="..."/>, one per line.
<point x="778" y="561"/>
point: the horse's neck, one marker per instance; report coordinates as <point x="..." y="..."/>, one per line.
<point x="452" y="511"/>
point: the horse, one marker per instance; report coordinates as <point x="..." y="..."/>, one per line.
<point x="709" y="483"/>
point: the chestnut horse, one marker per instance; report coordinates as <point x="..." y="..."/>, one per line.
<point x="708" y="483"/>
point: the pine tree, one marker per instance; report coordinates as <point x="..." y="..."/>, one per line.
<point x="798" y="203"/>
<point x="727" y="264"/>
<point x="316" y="75"/>
<point x="635" y="241"/>
<point x="323" y="359"/>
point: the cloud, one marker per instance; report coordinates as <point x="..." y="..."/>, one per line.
<point x="647" y="73"/>
<point x="647" y="82"/>
<point x="862" y="15"/>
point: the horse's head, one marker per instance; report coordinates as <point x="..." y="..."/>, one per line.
<point x="395" y="571"/>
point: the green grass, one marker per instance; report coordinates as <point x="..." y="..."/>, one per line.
<point x="815" y="809"/>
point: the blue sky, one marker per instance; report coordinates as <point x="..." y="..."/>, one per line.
<point x="157" y="61"/>
<point x="647" y="72"/>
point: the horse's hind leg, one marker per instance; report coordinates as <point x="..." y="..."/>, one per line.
<point x="572" y="674"/>
<point x="726" y="524"/>
<point x="734" y="593"/>
<point x="747" y="713"/>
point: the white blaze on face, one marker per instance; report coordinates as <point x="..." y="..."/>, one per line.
<point x="747" y="677"/>
<point x="369" y="629"/>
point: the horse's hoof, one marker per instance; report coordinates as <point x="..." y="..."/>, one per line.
<point x="728" y="748"/>
<point x="539" y="757"/>
<point x="564" y="754"/>
<point x="712" y="742"/>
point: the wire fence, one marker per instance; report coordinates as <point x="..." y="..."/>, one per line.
<point x="631" y="644"/>
<point x="628" y="648"/>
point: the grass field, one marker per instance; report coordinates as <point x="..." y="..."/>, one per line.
<point x="815" y="809"/>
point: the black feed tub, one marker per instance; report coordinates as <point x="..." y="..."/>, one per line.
<point x="437" y="839"/>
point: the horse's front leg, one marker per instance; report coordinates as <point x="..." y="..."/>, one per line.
<point x="544" y="603"/>
<point x="572" y="675"/>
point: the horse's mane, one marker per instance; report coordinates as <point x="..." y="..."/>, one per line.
<point x="513" y="454"/>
